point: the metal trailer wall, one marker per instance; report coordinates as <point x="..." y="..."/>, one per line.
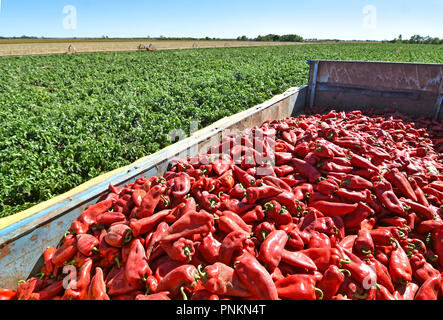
<point x="415" y="89"/>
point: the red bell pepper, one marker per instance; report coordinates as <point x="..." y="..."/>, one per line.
<point x="145" y="225"/>
<point x="386" y="195"/>
<point x="430" y="289"/>
<point x="210" y="248"/>
<point x="306" y="169"/>
<point x="8" y="294"/>
<point x="118" y="235"/>
<point x="271" y="249"/>
<point x="78" y="289"/>
<point x="298" y="287"/>
<point x="97" y="288"/>
<point x="108" y="218"/>
<point x="235" y="243"/>
<point x="221" y="279"/>
<point x="399" y="266"/>
<point x="400" y="181"/>
<point x="137" y="268"/>
<point x="150" y="201"/>
<point x="182" y="276"/>
<point x="332" y="280"/>
<point x="255" y="277"/>
<point x="180" y="250"/>
<point x="189" y="224"/>
<point x="334" y="208"/>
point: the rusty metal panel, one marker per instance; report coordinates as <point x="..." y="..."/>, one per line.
<point x="22" y="243"/>
<point x="411" y="88"/>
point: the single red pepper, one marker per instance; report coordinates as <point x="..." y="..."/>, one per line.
<point x="235" y="218"/>
<point x="137" y="268"/>
<point x="264" y="229"/>
<point x="255" y="215"/>
<point x="356" y="217"/>
<point x="182" y="276"/>
<point x="47" y="256"/>
<point x="117" y="283"/>
<point x="236" y="206"/>
<point x="210" y="248"/>
<point x="255" y="277"/>
<point x="386" y="195"/>
<point x="333" y="208"/>
<point x="243" y="177"/>
<point x="271" y="249"/>
<point x="350" y="195"/>
<point x="108" y="218"/>
<point x="89" y="216"/>
<point x="361" y="162"/>
<point x="320" y="256"/>
<point x="118" y="235"/>
<point x="145" y="225"/>
<point x="298" y="287"/>
<point x="253" y="194"/>
<point x="97" y="288"/>
<point x="400" y="181"/>
<point x="306" y="169"/>
<point x="430" y="289"/>
<point x="409" y="291"/>
<point x="155" y="238"/>
<point x="8" y="294"/>
<point x="66" y="252"/>
<point x="399" y="266"/>
<point x="354" y="182"/>
<point x="180" y="250"/>
<point x="150" y="201"/>
<point x="421" y="269"/>
<point x="425" y="213"/>
<point x="78" y="289"/>
<point x="421" y="198"/>
<point x="298" y="259"/>
<point x="221" y="279"/>
<point x="235" y="243"/>
<point x="332" y="280"/>
<point x="280" y="215"/>
<point x="49" y="291"/>
<point x="364" y="245"/>
<point x="327" y="187"/>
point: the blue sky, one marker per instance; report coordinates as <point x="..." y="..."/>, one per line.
<point x="383" y="19"/>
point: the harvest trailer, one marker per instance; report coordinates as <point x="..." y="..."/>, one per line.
<point x="410" y="88"/>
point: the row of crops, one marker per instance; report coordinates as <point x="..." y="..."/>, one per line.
<point x="66" y="119"/>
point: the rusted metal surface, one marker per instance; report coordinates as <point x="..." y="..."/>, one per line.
<point x="22" y="243"/>
<point x="411" y="88"/>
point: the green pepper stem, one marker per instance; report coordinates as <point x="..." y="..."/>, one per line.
<point x="317" y="290"/>
<point x="117" y="261"/>
<point x="345" y="271"/>
<point x="182" y="290"/>
<point x="360" y="296"/>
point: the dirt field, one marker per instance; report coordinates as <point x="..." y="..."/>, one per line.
<point x="39" y="47"/>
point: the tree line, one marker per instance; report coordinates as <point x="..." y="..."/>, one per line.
<point x="418" y="39"/>
<point x="274" y="37"/>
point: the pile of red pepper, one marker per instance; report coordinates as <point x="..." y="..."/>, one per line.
<point x="334" y="206"/>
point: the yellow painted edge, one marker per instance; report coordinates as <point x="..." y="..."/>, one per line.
<point x="7" y="221"/>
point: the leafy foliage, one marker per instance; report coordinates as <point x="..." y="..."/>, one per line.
<point x="68" y="118"/>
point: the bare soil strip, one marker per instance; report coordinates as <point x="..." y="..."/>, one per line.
<point x="43" y="47"/>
